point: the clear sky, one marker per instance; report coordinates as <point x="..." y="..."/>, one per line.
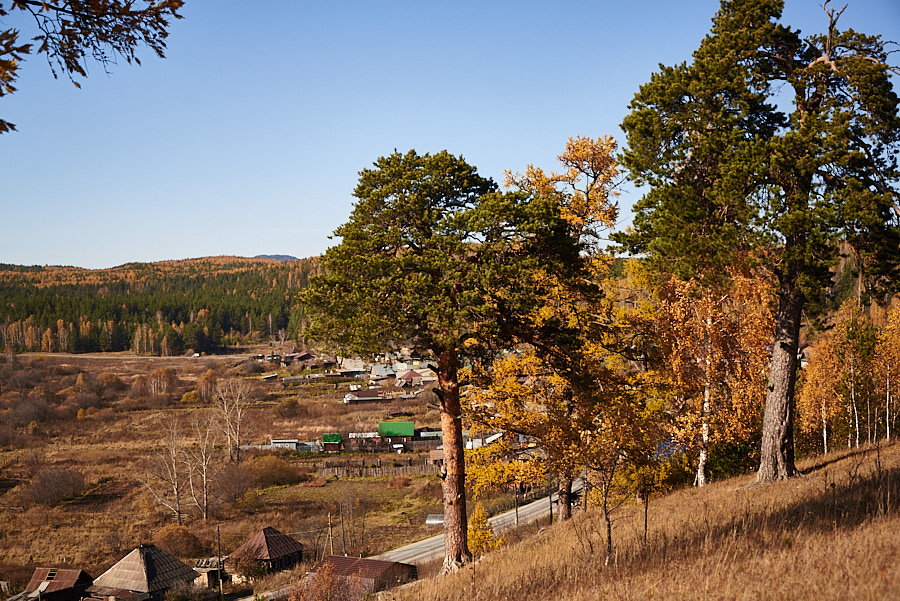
<point x="248" y="138"/>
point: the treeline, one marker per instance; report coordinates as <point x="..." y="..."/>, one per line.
<point x="165" y="308"/>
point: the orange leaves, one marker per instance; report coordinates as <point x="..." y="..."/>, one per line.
<point x="584" y="191"/>
<point x="715" y="345"/>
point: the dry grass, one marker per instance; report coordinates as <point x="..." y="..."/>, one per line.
<point x="833" y="533"/>
<point x="110" y="445"/>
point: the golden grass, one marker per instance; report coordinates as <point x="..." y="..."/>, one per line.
<point x="833" y="533"/>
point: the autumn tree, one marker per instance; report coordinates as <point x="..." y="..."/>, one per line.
<point x="738" y="174"/>
<point x="202" y="459"/>
<point x="434" y="256"/>
<point x="854" y="343"/>
<point x="164" y="476"/>
<point x="523" y="397"/>
<point x="713" y="346"/>
<point x="231" y="401"/>
<point x="888" y="362"/>
<point x="481" y="534"/>
<point x="820" y="402"/>
<point x="70" y="31"/>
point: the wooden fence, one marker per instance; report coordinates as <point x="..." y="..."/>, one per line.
<point x="418" y="469"/>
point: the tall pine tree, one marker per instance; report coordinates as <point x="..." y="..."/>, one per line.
<point x="769" y="149"/>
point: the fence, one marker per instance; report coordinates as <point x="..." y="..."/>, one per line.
<point x="384" y="471"/>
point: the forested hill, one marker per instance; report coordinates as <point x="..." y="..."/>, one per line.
<point x="164" y="308"/>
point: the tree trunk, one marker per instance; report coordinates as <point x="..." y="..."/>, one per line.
<point x="456" y="544"/>
<point x="700" y="479"/>
<point x="565" y="498"/>
<point x="777" y="451"/>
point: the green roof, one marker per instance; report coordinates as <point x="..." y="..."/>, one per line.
<point x="331" y="437"/>
<point x="397" y="429"/>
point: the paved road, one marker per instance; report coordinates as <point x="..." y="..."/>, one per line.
<point x="433" y="548"/>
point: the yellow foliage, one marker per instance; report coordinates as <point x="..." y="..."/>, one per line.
<point x="481" y="535"/>
<point x="715" y="347"/>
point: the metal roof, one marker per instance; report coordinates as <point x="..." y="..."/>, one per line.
<point x="56" y="579"/>
<point x="269" y="543"/>
<point x="147" y="569"/>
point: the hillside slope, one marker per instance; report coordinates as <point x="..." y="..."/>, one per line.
<point x="833" y="533"/>
<point x="163" y="308"/>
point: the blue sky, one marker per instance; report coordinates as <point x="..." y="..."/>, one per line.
<point x="248" y="138"/>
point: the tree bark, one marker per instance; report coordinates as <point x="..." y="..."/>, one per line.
<point x="777" y="451"/>
<point x="456" y="543"/>
<point x="565" y="497"/>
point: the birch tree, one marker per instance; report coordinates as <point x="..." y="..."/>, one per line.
<point x="231" y="401"/>
<point x="165" y="477"/>
<point x="737" y="174"/>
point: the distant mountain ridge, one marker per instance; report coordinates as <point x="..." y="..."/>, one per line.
<point x="277" y="257"/>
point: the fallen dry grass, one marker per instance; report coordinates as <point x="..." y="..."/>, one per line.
<point x="833" y="533"/>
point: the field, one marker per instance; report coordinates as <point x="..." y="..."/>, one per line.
<point x="89" y="414"/>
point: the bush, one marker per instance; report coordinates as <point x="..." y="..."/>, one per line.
<point x="399" y="482"/>
<point x="51" y="485"/>
<point x="270" y="470"/>
<point x="179" y="541"/>
<point x="245" y="565"/>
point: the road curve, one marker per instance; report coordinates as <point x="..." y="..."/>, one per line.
<point x="433" y="548"/>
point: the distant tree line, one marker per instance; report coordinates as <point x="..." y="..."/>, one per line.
<point x="154" y="309"/>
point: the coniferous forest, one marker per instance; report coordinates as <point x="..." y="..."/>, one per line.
<point x="166" y="308"/>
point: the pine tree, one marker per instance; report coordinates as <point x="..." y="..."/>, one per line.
<point x="737" y="178"/>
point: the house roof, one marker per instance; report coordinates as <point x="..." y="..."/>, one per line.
<point x="269" y="543"/>
<point x="397" y="428"/>
<point x="357" y="566"/>
<point x="410" y="376"/>
<point x="147" y="569"/>
<point x="58" y="579"/>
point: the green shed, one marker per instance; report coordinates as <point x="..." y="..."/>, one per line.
<point x="332" y="437"/>
<point x="396" y="429"/>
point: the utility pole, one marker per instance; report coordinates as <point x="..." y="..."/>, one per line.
<point x="219" y="563"/>
<point x="330" y="535"/>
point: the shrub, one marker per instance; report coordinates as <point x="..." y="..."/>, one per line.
<point x="179" y="541"/>
<point x="399" y="482"/>
<point x="245" y="565"/>
<point x="51" y="485"/>
<point x="270" y="470"/>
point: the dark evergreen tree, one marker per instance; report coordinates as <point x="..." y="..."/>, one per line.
<point x="739" y="174"/>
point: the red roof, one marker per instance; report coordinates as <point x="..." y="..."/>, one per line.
<point x="269" y="543"/>
<point x="356" y="566"/>
<point x="58" y="578"/>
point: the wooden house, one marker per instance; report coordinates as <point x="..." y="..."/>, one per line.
<point x="368" y="575"/>
<point x="147" y="573"/>
<point x="55" y="584"/>
<point x="273" y="550"/>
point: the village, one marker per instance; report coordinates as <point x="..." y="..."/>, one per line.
<point x="396" y="389"/>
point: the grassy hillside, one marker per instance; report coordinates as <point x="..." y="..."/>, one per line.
<point x="833" y="533"/>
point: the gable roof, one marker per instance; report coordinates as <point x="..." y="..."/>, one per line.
<point x="357" y="566"/>
<point x="50" y="580"/>
<point x="269" y="543"/>
<point x="58" y="579"/>
<point x="147" y="569"/>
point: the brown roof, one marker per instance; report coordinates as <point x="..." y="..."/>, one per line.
<point x="147" y="569"/>
<point x="356" y="566"/>
<point x="58" y="579"/>
<point x="269" y="543"/>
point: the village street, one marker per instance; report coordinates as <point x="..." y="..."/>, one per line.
<point x="433" y="548"/>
